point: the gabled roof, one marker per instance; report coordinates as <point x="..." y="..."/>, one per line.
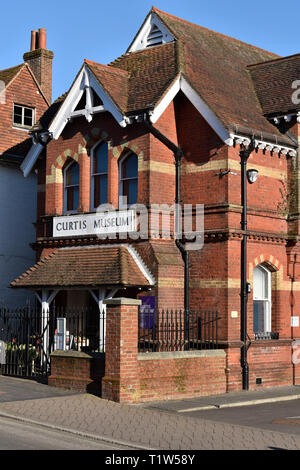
<point x="216" y="67"/>
<point x="7" y="75"/>
<point x="211" y="69"/>
<point x="114" y="81"/>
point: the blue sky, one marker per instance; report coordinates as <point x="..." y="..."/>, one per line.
<point x="102" y="30"/>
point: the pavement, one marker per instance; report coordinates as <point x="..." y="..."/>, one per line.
<point x="151" y="426"/>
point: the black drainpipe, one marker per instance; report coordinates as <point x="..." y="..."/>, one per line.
<point x="178" y="154"/>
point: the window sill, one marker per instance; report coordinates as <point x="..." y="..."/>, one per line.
<point x="22" y="128"/>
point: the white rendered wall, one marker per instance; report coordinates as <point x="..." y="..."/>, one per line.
<point x="17" y="214"/>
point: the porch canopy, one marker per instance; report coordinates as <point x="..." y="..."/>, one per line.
<point x="89" y="267"/>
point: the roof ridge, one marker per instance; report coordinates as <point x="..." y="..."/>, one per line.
<point x="279" y="59"/>
<point x="110" y="69"/>
<point x="156" y="10"/>
<point x="13" y="67"/>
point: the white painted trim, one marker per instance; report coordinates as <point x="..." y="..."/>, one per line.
<point x="108" y="103"/>
<point x="166" y="100"/>
<point x="85" y="80"/>
<point x="140" y="42"/>
<point x="204" y="109"/>
<point x="143" y="268"/>
<point x="68" y="106"/>
<point x="93" y="110"/>
<point x="268" y="299"/>
<point x="261" y="144"/>
<point x="180" y="83"/>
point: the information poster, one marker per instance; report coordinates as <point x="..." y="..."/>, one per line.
<point x="147" y="310"/>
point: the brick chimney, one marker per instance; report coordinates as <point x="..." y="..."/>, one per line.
<point x="40" y="61"/>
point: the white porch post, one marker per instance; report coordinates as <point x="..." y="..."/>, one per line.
<point x="102" y="295"/>
<point x="45" y="301"/>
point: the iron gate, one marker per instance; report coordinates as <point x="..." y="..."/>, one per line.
<point x="27" y="337"/>
<point x="23" y="333"/>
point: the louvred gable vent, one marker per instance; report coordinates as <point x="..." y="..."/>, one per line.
<point x="154" y="37"/>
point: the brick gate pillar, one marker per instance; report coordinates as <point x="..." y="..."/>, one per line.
<point x="120" y="382"/>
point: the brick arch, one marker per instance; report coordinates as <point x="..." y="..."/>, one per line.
<point x="268" y="260"/>
<point x="120" y="150"/>
<point x="56" y="175"/>
<point x="94" y="136"/>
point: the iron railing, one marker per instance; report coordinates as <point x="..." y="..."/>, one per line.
<point x="266" y="335"/>
<point x="28" y="336"/>
<point x="168" y="330"/>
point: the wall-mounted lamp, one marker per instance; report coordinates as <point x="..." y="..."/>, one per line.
<point x="252" y="175"/>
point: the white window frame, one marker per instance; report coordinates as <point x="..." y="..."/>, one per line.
<point x="121" y="203"/>
<point x="65" y="193"/>
<point x="22" y="125"/>
<point x="267" y="300"/>
<point x="92" y="185"/>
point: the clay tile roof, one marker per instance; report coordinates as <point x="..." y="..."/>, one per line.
<point x="84" y="266"/>
<point x="273" y="84"/>
<point x="216" y="67"/>
<point x="150" y="71"/>
<point x="8" y="74"/>
<point x="114" y="81"/>
<point x="48" y="116"/>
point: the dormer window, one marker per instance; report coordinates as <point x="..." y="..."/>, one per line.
<point x="155" y="36"/>
<point x="23" y="116"/>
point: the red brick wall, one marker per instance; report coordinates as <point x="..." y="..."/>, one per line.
<point x="215" y="269"/>
<point x="76" y="371"/>
<point x="131" y="378"/>
<point x="23" y="90"/>
<point x="185" y="377"/>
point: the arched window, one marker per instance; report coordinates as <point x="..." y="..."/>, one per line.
<point x="71" y="187"/>
<point x="261" y="300"/>
<point x="129" y="178"/>
<point x="99" y="170"/>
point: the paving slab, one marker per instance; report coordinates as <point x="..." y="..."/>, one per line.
<point x="142" y="428"/>
<point x="232" y="399"/>
<point x="16" y="389"/>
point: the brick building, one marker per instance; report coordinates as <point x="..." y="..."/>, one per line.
<point x="25" y="95"/>
<point x="166" y="123"/>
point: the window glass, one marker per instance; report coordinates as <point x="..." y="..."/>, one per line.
<point x="23" y="116"/>
<point x="99" y="174"/>
<point x="130" y="167"/>
<point x="261" y="300"/>
<point x="129" y="178"/>
<point x="72" y="187"/>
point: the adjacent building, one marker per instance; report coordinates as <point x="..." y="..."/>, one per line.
<point x="25" y="95"/>
<point x="166" y="123"/>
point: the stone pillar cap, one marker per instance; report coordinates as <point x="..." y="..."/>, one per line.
<point x="122" y="301"/>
